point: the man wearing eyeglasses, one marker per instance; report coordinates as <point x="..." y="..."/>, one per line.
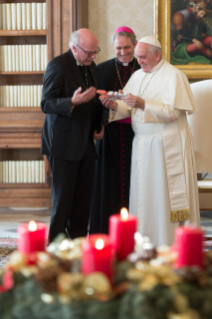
<point x="73" y="119"/>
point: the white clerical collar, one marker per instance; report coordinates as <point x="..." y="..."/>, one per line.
<point x="126" y="64"/>
<point x="157" y="66"/>
<point x="77" y="62"/>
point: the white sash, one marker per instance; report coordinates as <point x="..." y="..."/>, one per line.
<point x="175" y="173"/>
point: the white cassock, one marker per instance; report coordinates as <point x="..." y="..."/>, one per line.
<point x="163" y="190"/>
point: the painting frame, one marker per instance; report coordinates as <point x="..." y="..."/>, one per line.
<point x="162" y="31"/>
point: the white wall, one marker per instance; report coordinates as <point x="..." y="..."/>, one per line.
<point x="105" y="16"/>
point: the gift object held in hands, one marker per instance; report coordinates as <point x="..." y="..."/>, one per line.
<point x="111" y="95"/>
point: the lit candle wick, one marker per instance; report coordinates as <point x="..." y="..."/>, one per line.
<point x="99" y="244"/>
<point x="32" y="226"/>
<point x="124" y="214"/>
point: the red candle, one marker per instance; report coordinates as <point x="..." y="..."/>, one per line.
<point x="97" y="255"/>
<point x="31" y="238"/>
<point x="122" y="228"/>
<point x="189" y="245"/>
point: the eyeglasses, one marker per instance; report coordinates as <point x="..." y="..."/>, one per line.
<point x="89" y="53"/>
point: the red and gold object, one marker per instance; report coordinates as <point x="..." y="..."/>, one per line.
<point x="122" y="228"/>
<point x="98" y="255"/>
<point x="189" y="247"/>
<point x="31" y="239"/>
<point x="7" y="281"/>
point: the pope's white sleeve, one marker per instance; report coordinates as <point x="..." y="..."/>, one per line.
<point x="156" y="112"/>
<point x="122" y="112"/>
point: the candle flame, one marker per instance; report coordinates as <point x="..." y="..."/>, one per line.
<point x="32" y="226"/>
<point x="99" y="244"/>
<point x="124" y="214"/>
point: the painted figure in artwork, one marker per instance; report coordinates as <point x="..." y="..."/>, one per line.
<point x="191" y="36"/>
<point x="209" y="7"/>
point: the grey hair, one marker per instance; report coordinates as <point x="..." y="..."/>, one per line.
<point x="153" y="49"/>
<point x="74" y="39"/>
<point x="124" y="34"/>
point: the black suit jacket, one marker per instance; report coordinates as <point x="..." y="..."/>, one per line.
<point x="65" y="135"/>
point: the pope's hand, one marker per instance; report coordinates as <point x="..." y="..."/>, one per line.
<point x="80" y="98"/>
<point x="109" y="104"/>
<point x="134" y="101"/>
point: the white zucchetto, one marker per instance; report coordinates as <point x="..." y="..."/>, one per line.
<point x="150" y="40"/>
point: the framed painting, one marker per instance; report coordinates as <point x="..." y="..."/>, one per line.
<point x="184" y="29"/>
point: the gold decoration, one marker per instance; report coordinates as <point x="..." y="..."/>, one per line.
<point x="135" y="274"/>
<point x="67" y="282"/>
<point x="17" y="261"/>
<point x="47" y="298"/>
<point x="45" y="260"/>
<point x="189" y="314"/>
<point x="67" y="248"/>
<point x="97" y="285"/>
<point x="181" y="302"/>
<point x="149" y="282"/>
<point x="180" y="215"/>
<point x="28" y="271"/>
<point x="147" y="276"/>
<point x="98" y="282"/>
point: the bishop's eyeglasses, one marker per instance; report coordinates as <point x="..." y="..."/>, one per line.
<point x="89" y="53"/>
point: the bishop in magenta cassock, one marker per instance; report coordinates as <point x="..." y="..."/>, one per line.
<point x="111" y="189"/>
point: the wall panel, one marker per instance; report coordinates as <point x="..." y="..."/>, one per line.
<point x="104" y="17"/>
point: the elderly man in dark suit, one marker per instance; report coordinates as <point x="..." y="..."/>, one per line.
<point x="73" y="119"/>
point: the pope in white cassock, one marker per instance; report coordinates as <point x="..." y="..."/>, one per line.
<point x="163" y="189"/>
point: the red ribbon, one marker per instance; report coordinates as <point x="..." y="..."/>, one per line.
<point x="7" y="281"/>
